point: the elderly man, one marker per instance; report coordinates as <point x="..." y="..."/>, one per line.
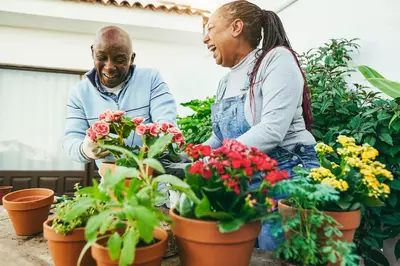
<point x="114" y="83"/>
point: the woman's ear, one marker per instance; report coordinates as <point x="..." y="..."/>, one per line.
<point x="237" y="27"/>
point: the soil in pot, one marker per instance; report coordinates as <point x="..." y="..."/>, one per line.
<point x="28" y="209"/>
<point x="144" y="256"/>
<point x="4" y="190"/>
<point x="65" y="249"/>
<point x="200" y="243"/>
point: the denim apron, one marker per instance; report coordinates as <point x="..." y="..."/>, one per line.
<point x="229" y="122"/>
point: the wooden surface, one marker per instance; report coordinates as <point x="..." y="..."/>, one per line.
<point x="33" y="250"/>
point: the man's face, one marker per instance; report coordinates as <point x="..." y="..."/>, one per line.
<point x="112" y="59"/>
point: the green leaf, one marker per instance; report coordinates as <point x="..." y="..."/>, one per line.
<point x="355" y="123"/>
<point x="371" y="202"/>
<point x="397" y="250"/>
<point x="128" y="248"/>
<point x="94" y="224"/>
<point x="159" y="145"/>
<point x="203" y="209"/>
<point x="395" y="184"/>
<point x="385" y="137"/>
<point x="390" y="220"/>
<point x="79" y="207"/>
<point x="155" y="164"/>
<point x="371" y="140"/>
<point x="368" y="72"/>
<point x="396" y="115"/>
<point x="231" y="225"/>
<point x="173" y="180"/>
<point x="383" y="116"/>
<point x="388" y="87"/>
<point x="114" y="246"/>
<point x="378" y="257"/>
<point x="392" y="199"/>
<point x="146" y="221"/>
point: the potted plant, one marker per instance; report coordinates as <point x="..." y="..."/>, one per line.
<point x="28" y="209"/>
<point x="65" y="236"/>
<point x="353" y="171"/>
<point x="126" y="231"/>
<point x="217" y="221"/>
<point x="312" y="237"/>
<point x="113" y="128"/>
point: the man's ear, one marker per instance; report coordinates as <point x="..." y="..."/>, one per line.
<point x="91" y="48"/>
<point x="133" y="58"/>
<point x="237" y="27"/>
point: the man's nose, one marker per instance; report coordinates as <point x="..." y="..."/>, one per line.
<point x="109" y="65"/>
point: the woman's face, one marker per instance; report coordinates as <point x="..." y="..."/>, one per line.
<point x="221" y="40"/>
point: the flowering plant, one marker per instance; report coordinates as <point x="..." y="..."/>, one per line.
<point x="113" y="128"/>
<point x="353" y="171"/>
<point x="221" y="179"/>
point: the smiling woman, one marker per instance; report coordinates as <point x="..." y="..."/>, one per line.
<point x="264" y="101"/>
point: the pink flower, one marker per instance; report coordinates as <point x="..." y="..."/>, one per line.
<point x="100" y="128"/>
<point x="173" y="130"/>
<point x="164" y="127"/>
<point x="154" y="130"/>
<point x="118" y="114"/>
<point x="105" y="114"/>
<point x="137" y="120"/>
<point x="91" y="134"/>
<point x="178" y="137"/>
<point x="141" y="129"/>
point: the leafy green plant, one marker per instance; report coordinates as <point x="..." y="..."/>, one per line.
<point x="311" y="235"/>
<point x="63" y="209"/>
<point x="129" y="215"/>
<point x="388" y="87"/>
<point x="197" y="127"/>
<point x="340" y="108"/>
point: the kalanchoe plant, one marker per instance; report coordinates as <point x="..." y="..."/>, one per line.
<point x="113" y="128"/>
<point x="352" y="171"/>
<point x="220" y="180"/>
<point x="311" y="235"/>
<point x="129" y="215"/>
<point x="63" y="224"/>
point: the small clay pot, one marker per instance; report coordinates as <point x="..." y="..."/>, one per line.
<point x="28" y="209"/>
<point x="4" y="190"/>
<point x="144" y="256"/>
<point x="200" y="242"/>
<point x="66" y="249"/>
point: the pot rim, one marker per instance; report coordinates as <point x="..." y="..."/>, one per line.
<point x="5" y="187"/>
<point x="284" y="203"/>
<point x="159" y="243"/>
<point x="47" y="199"/>
<point x="76" y="235"/>
<point x="173" y="213"/>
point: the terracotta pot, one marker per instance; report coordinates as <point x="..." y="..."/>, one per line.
<point x="28" y="209"/>
<point x="65" y="249"/>
<point x="349" y="221"/>
<point x="144" y="256"/>
<point x="105" y="165"/>
<point x="4" y="190"/>
<point x="200" y="243"/>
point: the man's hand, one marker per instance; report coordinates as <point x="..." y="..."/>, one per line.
<point x="92" y="150"/>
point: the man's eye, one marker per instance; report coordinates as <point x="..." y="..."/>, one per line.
<point x="101" y="58"/>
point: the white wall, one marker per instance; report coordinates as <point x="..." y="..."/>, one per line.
<point x="310" y="23"/>
<point x="188" y="70"/>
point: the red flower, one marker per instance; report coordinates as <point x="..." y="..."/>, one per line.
<point x="197" y="168"/>
<point x="236" y="164"/>
<point x="141" y="129"/>
<point x="205" y="150"/>
<point x="100" y="128"/>
<point x="248" y="171"/>
<point x="91" y="134"/>
<point x="137" y="120"/>
<point x="225" y="177"/>
<point x="276" y="176"/>
<point x="207" y="173"/>
<point x="153" y="129"/>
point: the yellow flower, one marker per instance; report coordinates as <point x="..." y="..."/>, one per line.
<point x="386" y="189"/>
<point x="345" y="141"/>
<point x="322" y="148"/>
<point x="320" y="173"/>
<point x="387" y="174"/>
<point x="338" y="184"/>
<point x="335" y="165"/>
<point x="368" y="153"/>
